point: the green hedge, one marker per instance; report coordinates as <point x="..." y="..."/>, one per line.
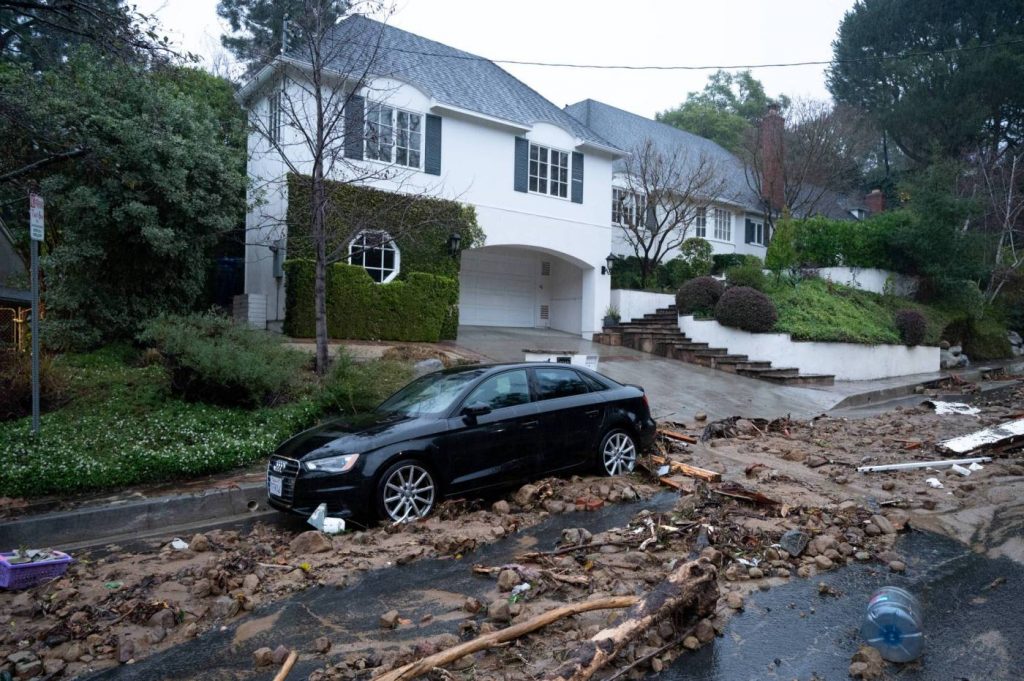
<point x="422" y="307"/>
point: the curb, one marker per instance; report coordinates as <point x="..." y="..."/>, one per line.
<point x="885" y="394"/>
<point x="132" y="517"/>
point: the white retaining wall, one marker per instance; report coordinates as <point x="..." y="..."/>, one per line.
<point x="846" y="361"/>
<point x="870" y="279"/>
<point x="635" y="304"/>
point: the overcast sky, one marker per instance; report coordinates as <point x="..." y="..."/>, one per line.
<point x="641" y="32"/>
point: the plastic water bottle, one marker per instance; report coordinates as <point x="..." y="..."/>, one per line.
<point x="893" y="625"/>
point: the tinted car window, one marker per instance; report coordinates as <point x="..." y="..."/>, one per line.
<point x="430" y="394"/>
<point x="504" y="390"/>
<point x="592" y="383"/>
<point x="552" y="383"/>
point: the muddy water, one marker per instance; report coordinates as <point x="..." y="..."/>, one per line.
<point x="349" y="616"/>
<point x="974" y="632"/>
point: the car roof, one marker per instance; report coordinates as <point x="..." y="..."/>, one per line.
<point x="500" y="366"/>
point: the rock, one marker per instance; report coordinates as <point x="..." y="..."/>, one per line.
<point x="499" y="610"/>
<point x="199" y="543"/>
<point x="815" y="461"/>
<point x="21" y="657"/>
<point x="553" y="506"/>
<point x="898" y="566"/>
<point x="23" y="605"/>
<point x="191" y="630"/>
<point x="691" y="643"/>
<point x="871" y="530"/>
<point x="867" y="663"/>
<point x="125" y="648"/>
<point x="734" y="600"/>
<point x="263" y="657"/>
<point x="501" y="507"/>
<point x="666" y="630"/>
<point x="164" y="619"/>
<point x="712" y="555"/>
<point x="576" y="536"/>
<point x="472" y="605"/>
<point x="526" y="495"/>
<point x="883" y="524"/>
<point x="732" y="573"/>
<point x="823" y="562"/>
<point x="846" y="549"/>
<point x="389" y="620"/>
<point x="201" y="589"/>
<point x="746" y="427"/>
<point x="280" y="654"/>
<point x="657" y="666"/>
<point x="862" y="555"/>
<point x="156" y="634"/>
<point x="794" y="542"/>
<point x="823" y="543"/>
<point x="944" y="345"/>
<point x="224" y="607"/>
<point x="28" y="668"/>
<point x="888" y="485"/>
<point x="628" y="494"/>
<point x="251" y="582"/>
<point x="805" y="571"/>
<point x="310" y="542"/>
<point x="507" y="579"/>
<point x="73" y="651"/>
<point x="322" y="644"/>
<point x="700" y="416"/>
<point x="54" y="666"/>
<point x="755" y="573"/>
<point x="704" y="631"/>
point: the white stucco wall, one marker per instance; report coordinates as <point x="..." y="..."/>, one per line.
<point x="477" y="168"/>
<point x="635" y="304"/>
<point x="846" y="361"/>
<point x="870" y="279"/>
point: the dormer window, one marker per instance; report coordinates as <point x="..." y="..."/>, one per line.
<point x="549" y="171"/>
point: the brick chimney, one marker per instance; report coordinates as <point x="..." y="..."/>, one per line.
<point x="875" y="201"/>
<point x="773" y="186"/>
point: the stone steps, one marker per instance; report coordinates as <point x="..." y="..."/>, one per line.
<point x="658" y="333"/>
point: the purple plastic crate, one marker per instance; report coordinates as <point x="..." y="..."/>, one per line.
<point x="26" y="575"/>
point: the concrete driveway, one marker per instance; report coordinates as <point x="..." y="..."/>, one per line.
<point x="675" y="389"/>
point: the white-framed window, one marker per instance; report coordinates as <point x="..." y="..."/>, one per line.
<point x="375" y="251"/>
<point x="700" y="223"/>
<point x="755" y="232"/>
<point x="394" y="135"/>
<point x="275" y="105"/>
<point x="628" y="208"/>
<point x="549" y="171"/>
<point x="723" y="224"/>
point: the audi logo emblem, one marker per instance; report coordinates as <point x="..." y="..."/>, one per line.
<point x="279" y="466"/>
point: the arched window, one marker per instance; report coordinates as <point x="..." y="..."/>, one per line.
<point x="376" y="253"/>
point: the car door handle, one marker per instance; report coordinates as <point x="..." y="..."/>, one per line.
<point x="593" y="412"/>
<point x="530" y="424"/>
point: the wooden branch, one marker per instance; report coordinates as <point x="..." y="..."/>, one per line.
<point x="427" y="664"/>
<point x="287" y="666"/>
<point x="575" y="547"/>
<point x="674" y="435"/>
<point x="691" y="590"/>
<point x="687" y="470"/>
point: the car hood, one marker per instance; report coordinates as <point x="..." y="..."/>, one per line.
<point x="354" y="434"/>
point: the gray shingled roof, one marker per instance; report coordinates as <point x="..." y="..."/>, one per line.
<point x="448" y="75"/>
<point x="627" y="131"/>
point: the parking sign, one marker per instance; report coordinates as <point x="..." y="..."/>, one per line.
<point x="35" y="217"/>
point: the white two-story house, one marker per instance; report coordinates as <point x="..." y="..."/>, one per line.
<point x="456" y="126"/>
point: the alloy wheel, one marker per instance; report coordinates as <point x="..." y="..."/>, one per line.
<point x="619" y="454"/>
<point x="408" y="493"/>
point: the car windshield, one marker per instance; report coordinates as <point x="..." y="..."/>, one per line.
<point x="430" y="394"/>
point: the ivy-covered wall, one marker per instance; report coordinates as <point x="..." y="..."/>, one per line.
<point x="421" y="307"/>
<point x="421" y="304"/>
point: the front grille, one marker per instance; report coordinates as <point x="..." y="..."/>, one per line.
<point x="286" y="469"/>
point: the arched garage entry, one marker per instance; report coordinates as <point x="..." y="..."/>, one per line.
<point x="521" y="286"/>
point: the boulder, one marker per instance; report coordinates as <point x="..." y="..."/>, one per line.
<point x="263" y="657"/>
<point x="311" y="542"/>
<point x="794" y="542"/>
<point x="526" y="495"/>
<point x="501" y="507"/>
<point x="199" y="543"/>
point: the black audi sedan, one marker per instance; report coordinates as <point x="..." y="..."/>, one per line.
<point x="461" y="431"/>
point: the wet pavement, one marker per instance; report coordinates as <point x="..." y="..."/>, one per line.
<point x="349" y="616"/>
<point x="973" y="630"/>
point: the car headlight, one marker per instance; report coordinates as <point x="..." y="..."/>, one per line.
<point x="333" y="464"/>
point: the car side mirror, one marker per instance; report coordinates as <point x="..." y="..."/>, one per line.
<point x="472" y="411"/>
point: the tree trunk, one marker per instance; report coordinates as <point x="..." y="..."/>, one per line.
<point x="690" y="592"/>
<point x="320" y="269"/>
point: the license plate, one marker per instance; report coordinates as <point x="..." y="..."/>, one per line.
<point x="274" y="485"/>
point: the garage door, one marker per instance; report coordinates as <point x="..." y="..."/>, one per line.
<point x="497" y="290"/>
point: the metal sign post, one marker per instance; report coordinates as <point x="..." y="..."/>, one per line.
<point x="36" y="232"/>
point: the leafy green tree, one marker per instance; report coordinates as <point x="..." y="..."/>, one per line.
<point x="724" y="110"/>
<point x="131" y="218"/>
<point x="258" y="26"/>
<point x="936" y="76"/>
<point x="782" y="253"/>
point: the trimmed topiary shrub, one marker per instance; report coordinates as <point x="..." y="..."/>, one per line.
<point x="748" y="274"/>
<point x="746" y="308"/>
<point x="699" y="296"/>
<point x="912" y="326"/>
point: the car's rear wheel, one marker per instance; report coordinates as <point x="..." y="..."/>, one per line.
<point x="617" y="454"/>
<point x="407" y="491"/>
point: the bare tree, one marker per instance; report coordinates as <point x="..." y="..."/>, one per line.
<point x="664" y="192"/>
<point x="1002" y="180"/>
<point x="328" y="106"/>
<point x="794" y="160"/>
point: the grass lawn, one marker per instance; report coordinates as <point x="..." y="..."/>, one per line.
<point x="814" y="310"/>
<point x="120" y="426"/>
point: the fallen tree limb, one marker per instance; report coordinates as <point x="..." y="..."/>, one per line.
<point x="674" y="435"/>
<point x="427" y="664"/>
<point x="691" y="591"/>
<point x="287" y="666"/>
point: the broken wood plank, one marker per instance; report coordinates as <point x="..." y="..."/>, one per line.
<point x="669" y="482"/>
<point x="687" y="470"/>
<point x="287" y="666"/>
<point x="738" y="491"/>
<point x="427" y="664"/>
<point x="912" y="465"/>
<point x="999" y="436"/>
<point x="676" y="435"/>
<point x="689" y="592"/>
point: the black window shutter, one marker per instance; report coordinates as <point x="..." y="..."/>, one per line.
<point x="432" y="152"/>
<point x="522" y="166"/>
<point x="651" y="219"/>
<point x="354" y="120"/>
<point x="577" y="177"/>
<point x="750" y="232"/>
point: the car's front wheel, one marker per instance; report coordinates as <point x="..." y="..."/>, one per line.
<point x="617" y="454"/>
<point x="406" y="491"/>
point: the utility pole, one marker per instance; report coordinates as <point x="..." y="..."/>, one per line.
<point x="36" y="232"/>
